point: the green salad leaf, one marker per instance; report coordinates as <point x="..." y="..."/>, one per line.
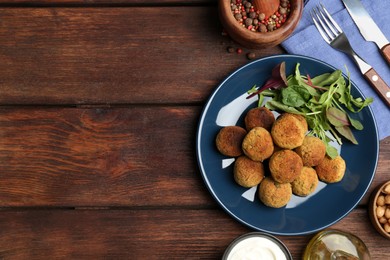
<point x="325" y="101"/>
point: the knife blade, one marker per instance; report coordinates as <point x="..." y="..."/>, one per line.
<point x="367" y="27"/>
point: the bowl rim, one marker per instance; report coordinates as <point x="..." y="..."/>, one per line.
<point x="273" y="38"/>
<point x="372" y="208"/>
<point x="272" y="238"/>
<point x="330" y="231"/>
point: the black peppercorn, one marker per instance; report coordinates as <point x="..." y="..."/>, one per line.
<point x="249" y="17"/>
<point x="261" y="16"/>
<point x="248" y="21"/>
<point x="251" y="55"/>
<point x="252" y="15"/>
<point x="262" y="28"/>
<point x="230" y="49"/>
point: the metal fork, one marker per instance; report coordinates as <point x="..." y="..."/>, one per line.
<point x="335" y="37"/>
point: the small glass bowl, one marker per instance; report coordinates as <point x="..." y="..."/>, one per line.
<point x="266" y="242"/>
<point x="336" y="244"/>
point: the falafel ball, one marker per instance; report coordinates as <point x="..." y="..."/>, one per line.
<point x="312" y="150"/>
<point x="303" y="121"/>
<point x="259" y="116"/>
<point x="288" y="132"/>
<point x="331" y="170"/>
<point x="248" y="173"/>
<point x="274" y="194"/>
<point x="285" y="166"/>
<point x="306" y="183"/>
<point x="258" y="144"/>
<point x="229" y="140"/>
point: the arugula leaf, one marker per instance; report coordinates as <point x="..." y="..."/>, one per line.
<point x="330" y="79"/>
<point x="277" y="106"/>
<point x="320" y="78"/>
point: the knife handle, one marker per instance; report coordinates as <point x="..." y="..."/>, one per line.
<point x="379" y="85"/>
<point x="386" y="52"/>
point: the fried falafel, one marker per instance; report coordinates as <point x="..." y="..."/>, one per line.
<point x="274" y="194"/>
<point x="248" y="173"/>
<point x="229" y="140"/>
<point x="331" y="170"/>
<point x="288" y="132"/>
<point x="312" y="150"/>
<point x="306" y="183"/>
<point x="258" y="144"/>
<point x="259" y="117"/>
<point x="301" y="119"/>
<point x="285" y="166"/>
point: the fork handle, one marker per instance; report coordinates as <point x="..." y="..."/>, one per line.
<point x="386" y="52"/>
<point x="379" y="85"/>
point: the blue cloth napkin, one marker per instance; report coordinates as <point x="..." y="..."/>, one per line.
<point x="306" y="40"/>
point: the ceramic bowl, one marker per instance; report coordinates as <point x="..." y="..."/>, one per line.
<point x="257" y="40"/>
<point x="373" y="208"/>
<point x="257" y="245"/>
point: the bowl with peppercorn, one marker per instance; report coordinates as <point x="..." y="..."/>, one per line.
<point x="260" y="23"/>
<point x="379" y="209"/>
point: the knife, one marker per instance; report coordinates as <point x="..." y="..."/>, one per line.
<point x="368" y="27"/>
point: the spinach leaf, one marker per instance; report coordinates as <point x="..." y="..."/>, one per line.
<point x="295" y="96"/>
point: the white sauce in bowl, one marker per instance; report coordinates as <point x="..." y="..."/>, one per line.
<point x="256" y="248"/>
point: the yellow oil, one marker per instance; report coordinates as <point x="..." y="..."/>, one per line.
<point x="336" y="245"/>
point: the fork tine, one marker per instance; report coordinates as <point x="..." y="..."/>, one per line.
<point x="328" y="20"/>
<point x="331" y="19"/>
<point x="320" y="26"/>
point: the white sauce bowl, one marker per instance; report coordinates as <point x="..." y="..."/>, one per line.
<point x="257" y="245"/>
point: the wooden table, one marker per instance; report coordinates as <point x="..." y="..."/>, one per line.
<point x="100" y="102"/>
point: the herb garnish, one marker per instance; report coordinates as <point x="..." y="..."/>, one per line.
<point x="323" y="100"/>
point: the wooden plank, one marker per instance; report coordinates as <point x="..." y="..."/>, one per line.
<point x="149" y="233"/>
<point x="97" y="157"/>
<point x="108" y="55"/>
<point x="102" y="3"/>
<point x="130" y="156"/>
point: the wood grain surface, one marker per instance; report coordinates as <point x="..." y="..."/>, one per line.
<point x="71" y="56"/>
<point x="143" y="233"/>
<point x="99" y="105"/>
<point x="96" y="157"/>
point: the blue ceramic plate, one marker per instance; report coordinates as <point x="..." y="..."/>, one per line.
<point x="328" y="204"/>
